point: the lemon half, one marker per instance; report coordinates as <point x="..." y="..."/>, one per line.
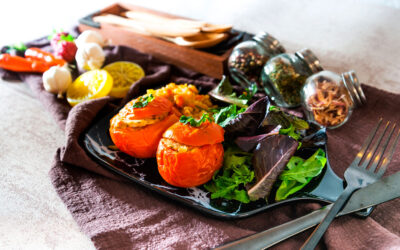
<point x="124" y="74"/>
<point x="90" y="85"/>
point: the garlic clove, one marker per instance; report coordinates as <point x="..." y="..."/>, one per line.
<point x="56" y="80"/>
<point x="90" y="36"/>
<point x="90" y="56"/>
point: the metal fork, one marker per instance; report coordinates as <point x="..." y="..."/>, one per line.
<point x="357" y="175"/>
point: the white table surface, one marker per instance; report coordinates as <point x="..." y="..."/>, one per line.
<point x="359" y="35"/>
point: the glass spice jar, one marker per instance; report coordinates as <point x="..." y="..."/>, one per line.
<point x="329" y="99"/>
<point x="284" y="75"/>
<point x="247" y="58"/>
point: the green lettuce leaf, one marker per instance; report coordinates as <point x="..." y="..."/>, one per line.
<point x="225" y="91"/>
<point x="223" y="116"/>
<point x="299" y="173"/>
<point x="229" y="182"/>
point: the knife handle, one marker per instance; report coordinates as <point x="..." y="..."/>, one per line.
<point x="279" y="233"/>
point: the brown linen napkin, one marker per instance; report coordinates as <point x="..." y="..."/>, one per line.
<point x="117" y="214"/>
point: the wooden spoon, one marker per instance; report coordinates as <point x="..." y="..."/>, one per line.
<point x="153" y="18"/>
<point x="203" y="40"/>
<point x="216" y="28"/>
<point x="157" y="19"/>
<point x="185" y="37"/>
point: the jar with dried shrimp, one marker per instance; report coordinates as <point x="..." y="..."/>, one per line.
<point x="329" y="99"/>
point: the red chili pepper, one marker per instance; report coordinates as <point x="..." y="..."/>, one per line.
<point x="38" y="54"/>
<point x="21" y="64"/>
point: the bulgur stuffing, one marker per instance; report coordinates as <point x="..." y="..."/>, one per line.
<point x="186" y="99"/>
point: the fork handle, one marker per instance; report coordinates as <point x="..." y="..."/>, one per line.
<point x="272" y="236"/>
<point x="319" y="231"/>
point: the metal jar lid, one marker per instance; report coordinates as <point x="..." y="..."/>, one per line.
<point x="351" y="82"/>
<point x="311" y="60"/>
<point x="269" y="42"/>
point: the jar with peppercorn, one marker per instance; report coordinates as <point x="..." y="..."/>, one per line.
<point x="329" y="99"/>
<point x="284" y="75"/>
<point x="247" y="58"/>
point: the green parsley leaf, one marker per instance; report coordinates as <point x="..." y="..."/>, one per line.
<point x="143" y="101"/>
<point x="193" y="122"/>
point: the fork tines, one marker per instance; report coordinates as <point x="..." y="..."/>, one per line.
<point x="379" y="162"/>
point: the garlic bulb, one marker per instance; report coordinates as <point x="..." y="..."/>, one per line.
<point x="90" y="56"/>
<point x="56" y="80"/>
<point x="90" y="36"/>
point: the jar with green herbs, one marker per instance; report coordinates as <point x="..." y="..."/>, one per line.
<point x="329" y="99"/>
<point x="284" y="75"/>
<point x="248" y="58"/>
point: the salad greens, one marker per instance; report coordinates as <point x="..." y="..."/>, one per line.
<point x="225" y="115"/>
<point x="225" y="91"/>
<point x="193" y="122"/>
<point x="229" y="181"/>
<point x="249" y="93"/>
<point x="143" y="101"/>
<point x="299" y="173"/>
<point x="291" y="125"/>
<point x="290" y="131"/>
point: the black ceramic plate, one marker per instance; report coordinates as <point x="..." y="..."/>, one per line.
<point x="326" y="188"/>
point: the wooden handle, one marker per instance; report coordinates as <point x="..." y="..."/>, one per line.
<point x="156" y="29"/>
<point x="157" y="19"/>
<point x="120" y="21"/>
<point x="177" y="22"/>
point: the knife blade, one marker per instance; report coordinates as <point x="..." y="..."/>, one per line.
<point x="386" y="189"/>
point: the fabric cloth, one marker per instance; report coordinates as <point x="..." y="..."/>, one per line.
<point x="117" y="214"/>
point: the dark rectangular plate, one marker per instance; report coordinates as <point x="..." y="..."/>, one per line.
<point x="97" y="143"/>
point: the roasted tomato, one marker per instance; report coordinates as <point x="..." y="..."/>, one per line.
<point x="189" y="156"/>
<point x="137" y="131"/>
<point x="207" y="133"/>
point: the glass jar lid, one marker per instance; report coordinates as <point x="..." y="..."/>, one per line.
<point x="269" y="42"/>
<point x="311" y="60"/>
<point x="351" y="82"/>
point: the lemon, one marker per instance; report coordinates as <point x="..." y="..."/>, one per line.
<point x="90" y="85"/>
<point x="124" y="74"/>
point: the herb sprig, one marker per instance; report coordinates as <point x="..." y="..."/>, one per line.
<point x="142" y="102"/>
<point x="193" y="122"/>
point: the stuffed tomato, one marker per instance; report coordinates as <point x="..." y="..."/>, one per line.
<point x="188" y="156"/>
<point x="138" y="127"/>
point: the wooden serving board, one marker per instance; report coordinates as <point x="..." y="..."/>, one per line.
<point x="200" y="61"/>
